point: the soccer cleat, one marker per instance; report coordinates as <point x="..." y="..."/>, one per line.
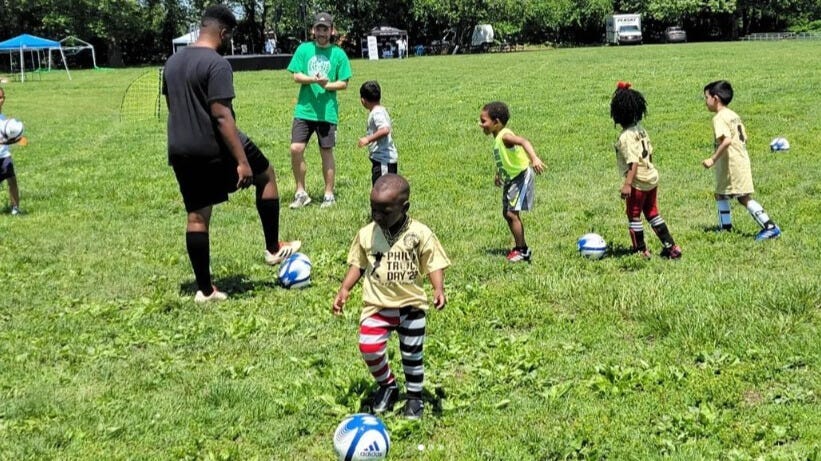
<point x="673" y="252"/>
<point x="328" y="201"/>
<point x="285" y="249"/>
<point x="643" y="253"/>
<point x="215" y="295"/>
<point x="517" y="254"/>
<point x="384" y="398"/>
<point x="769" y="233"/>
<point x="414" y="408"/>
<point x="15" y="211"/>
<point x="301" y="199"/>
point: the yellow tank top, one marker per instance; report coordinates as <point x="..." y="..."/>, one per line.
<point x="510" y="161"/>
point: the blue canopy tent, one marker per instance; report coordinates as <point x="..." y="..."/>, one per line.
<point x="26" y="43"/>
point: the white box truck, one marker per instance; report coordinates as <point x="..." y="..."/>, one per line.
<point x="623" y="29"/>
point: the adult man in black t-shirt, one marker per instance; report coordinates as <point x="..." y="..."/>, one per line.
<point x="210" y="157"/>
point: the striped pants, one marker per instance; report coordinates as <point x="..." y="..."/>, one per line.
<point x="374" y="331"/>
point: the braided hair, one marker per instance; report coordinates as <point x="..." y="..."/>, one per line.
<point x="628" y="106"/>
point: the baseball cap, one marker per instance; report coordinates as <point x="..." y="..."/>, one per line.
<point x="323" y="19"/>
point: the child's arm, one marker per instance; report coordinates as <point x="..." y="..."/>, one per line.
<point x="627" y="187"/>
<point x="353" y="276"/>
<point x="720" y="150"/>
<point x="437" y="280"/>
<point x="535" y="161"/>
<point x="378" y="134"/>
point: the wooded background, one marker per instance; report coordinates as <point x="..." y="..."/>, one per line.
<point x="134" y="32"/>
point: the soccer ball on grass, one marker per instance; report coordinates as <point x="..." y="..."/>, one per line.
<point x="592" y="246"/>
<point x="360" y="437"/>
<point x="295" y="271"/>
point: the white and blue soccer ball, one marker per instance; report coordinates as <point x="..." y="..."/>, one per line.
<point x="360" y="437"/>
<point x="11" y="128"/>
<point x="592" y="246"/>
<point x="779" y="145"/>
<point x="295" y="271"/>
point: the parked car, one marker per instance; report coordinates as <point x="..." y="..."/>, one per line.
<point x="675" y="35"/>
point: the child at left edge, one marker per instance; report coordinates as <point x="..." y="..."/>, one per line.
<point x="516" y="160"/>
<point x="394" y="254"/>
<point x="7" y="165"/>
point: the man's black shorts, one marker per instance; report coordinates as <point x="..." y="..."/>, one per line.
<point x="301" y="131"/>
<point x="206" y="182"/>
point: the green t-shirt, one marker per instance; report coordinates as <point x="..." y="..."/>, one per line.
<point x="314" y="103"/>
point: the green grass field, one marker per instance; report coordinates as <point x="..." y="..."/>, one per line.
<point x="104" y="355"/>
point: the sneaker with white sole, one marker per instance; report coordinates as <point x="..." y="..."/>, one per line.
<point x="414" y="408"/>
<point x="328" y="201"/>
<point x="384" y="398"/>
<point x="15" y="211"/>
<point x="769" y="233"/>
<point x="301" y="199"/>
<point x="285" y="249"/>
<point x="518" y="254"/>
<point x="673" y="252"/>
<point x="215" y="295"/>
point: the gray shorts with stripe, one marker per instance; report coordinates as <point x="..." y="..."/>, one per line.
<point x="519" y="193"/>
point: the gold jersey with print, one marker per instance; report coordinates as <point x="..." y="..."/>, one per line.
<point x="732" y="170"/>
<point x="633" y="146"/>
<point x="395" y="266"/>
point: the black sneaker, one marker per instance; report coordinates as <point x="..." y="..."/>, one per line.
<point x="414" y="408"/>
<point x="384" y="398"/>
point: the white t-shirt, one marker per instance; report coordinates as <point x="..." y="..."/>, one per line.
<point x="382" y="150"/>
<point x="4" y="149"/>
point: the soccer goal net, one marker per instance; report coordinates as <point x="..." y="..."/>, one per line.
<point x="143" y="99"/>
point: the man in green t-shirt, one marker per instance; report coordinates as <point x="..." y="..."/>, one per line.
<point x="321" y="69"/>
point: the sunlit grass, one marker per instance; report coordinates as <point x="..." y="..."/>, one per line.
<point x="104" y="355"/>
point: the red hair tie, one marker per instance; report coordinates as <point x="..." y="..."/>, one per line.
<point x="623" y="85"/>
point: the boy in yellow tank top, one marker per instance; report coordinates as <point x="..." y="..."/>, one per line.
<point x="734" y="178"/>
<point x="516" y="162"/>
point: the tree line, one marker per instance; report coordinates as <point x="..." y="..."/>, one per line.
<point x="133" y="32"/>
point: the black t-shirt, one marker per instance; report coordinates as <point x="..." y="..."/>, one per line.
<point x="193" y="78"/>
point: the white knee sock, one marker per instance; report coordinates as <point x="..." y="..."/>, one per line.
<point x="758" y="213"/>
<point x="725" y="220"/>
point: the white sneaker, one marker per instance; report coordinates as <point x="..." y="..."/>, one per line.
<point x="300" y="200"/>
<point x="328" y="201"/>
<point x="15" y="211"/>
<point x="285" y="249"/>
<point x="215" y="295"/>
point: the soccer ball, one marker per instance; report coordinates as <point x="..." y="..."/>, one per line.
<point x="361" y="436"/>
<point x="11" y="128"/>
<point x="295" y="271"/>
<point x="592" y="246"/>
<point x="779" y="144"/>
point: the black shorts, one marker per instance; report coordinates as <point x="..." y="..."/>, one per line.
<point x="6" y="168"/>
<point x="378" y="169"/>
<point x="206" y="182"/>
<point x="301" y="131"/>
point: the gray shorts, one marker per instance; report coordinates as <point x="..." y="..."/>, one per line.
<point x="519" y="193"/>
<point x="301" y="131"/>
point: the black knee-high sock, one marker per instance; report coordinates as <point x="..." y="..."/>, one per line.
<point x="199" y="252"/>
<point x="268" y="209"/>
<point x="660" y="228"/>
<point x="637" y="235"/>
